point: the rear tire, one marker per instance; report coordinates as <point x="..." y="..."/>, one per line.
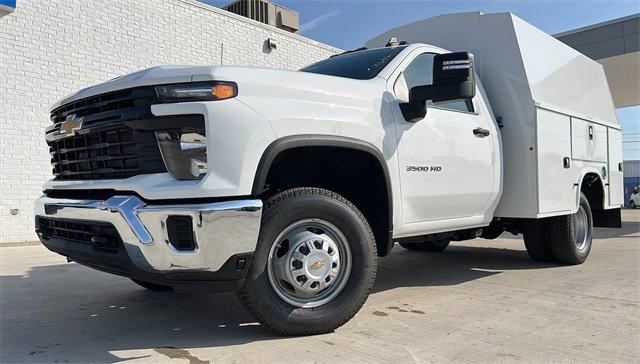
<point x="535" y="241"/>
<point x="570" y="236"/>
<point x="301" y="230"/>
<point x="427" y="246"/>
<point x="152" y="286"/>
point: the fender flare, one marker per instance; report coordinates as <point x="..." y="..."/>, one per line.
<point x="314" y="140"/>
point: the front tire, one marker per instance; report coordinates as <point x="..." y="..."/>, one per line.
<point x="314" y="264"/>
<point x="633" y="204"/>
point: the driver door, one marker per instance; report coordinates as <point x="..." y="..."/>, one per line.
<point x="446" y="168"/>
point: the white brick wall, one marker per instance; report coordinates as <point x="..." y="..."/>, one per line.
<point x="49" y="48"/>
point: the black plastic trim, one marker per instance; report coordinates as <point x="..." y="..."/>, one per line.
<point x="314" y="140"/>
<point x="168" y="122"/>
<point x="228" y="278"/>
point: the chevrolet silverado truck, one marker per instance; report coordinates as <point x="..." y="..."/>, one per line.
<point x="286" y="186"/>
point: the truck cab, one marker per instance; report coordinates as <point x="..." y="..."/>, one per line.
<point x="450" y="156"/>
<point x="286" y="186"/>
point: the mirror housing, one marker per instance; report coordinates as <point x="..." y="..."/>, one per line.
<point x="453" y="79"/>
<point x="413" y="111"/>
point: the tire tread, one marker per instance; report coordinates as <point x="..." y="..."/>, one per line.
<point x="250" y="306"/>
<point x="558" y="235"/>
<point x="535" y="241"/>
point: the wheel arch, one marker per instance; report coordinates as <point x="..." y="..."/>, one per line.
<point x="590" y="183"/>
<point x="289" y="143"/>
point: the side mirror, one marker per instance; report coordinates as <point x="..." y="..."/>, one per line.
<point x="453" y="79"/>
<point x="413" y="111"/>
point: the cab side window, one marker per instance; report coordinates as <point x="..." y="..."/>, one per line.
<point x="419" y="73"/>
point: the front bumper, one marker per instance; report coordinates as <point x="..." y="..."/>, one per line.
<point x="225" y="235"/>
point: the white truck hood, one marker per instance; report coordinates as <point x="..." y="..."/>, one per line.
<point x="251" y="80"/>
<point x="151" y="76"/>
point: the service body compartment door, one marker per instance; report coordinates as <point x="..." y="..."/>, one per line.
<point x="588" y="140"/>
<point x="615" y="178"/>
<point x="555" y="179"/>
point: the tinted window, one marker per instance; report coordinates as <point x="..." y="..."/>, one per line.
<point x="361" y="65"/>
<point x="420" y="73"/>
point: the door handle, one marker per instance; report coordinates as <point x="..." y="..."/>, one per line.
<point x="481" y="132"/>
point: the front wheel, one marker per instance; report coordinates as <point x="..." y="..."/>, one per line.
<point x="314" y="264"/>
<point x="633" y="204"/>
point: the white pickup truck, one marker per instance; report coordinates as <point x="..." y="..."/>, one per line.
<point x="286" y="186"/>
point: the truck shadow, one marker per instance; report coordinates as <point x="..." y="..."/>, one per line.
<point x="52" y="308"/>
<point x="456" y="265"/>
<point x="68" y="312"/>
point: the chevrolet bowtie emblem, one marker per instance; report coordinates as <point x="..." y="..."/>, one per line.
<point x="71" y="124"/>
<point x="317" y="265"/>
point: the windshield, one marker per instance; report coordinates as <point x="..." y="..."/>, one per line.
<point x="360" y="65"/>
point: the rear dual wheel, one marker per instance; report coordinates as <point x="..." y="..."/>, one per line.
<point x="566" y="239"/>
<point x="314" y="264"/>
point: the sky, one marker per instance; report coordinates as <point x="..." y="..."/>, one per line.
<point x="347" y="24"/>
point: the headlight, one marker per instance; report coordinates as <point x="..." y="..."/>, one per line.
<point x="184" y="152"/>
<point x="197" y="91"/>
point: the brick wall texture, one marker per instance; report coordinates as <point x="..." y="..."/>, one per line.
<point x="49" y="48"/>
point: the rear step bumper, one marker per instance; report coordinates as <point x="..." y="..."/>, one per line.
<point x="224" y="234"/>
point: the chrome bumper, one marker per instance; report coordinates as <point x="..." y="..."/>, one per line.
<point x="221" y="229"/>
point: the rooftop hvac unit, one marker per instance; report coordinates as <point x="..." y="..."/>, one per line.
<point x="266" y="12"/>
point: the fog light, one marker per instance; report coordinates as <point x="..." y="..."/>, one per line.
<point x="184" y="153"/>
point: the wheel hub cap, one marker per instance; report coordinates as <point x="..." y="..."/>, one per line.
<point x="309" y="263"/>
<point x="314" y="264"/>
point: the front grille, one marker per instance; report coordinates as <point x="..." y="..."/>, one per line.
<point x="105" y="147"/>
<point x="101" y="235"/>
<point x="110" y="106"/>
<point x="118" y="152"/>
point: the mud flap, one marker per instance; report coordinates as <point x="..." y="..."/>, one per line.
<point x="607" y="218"/>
